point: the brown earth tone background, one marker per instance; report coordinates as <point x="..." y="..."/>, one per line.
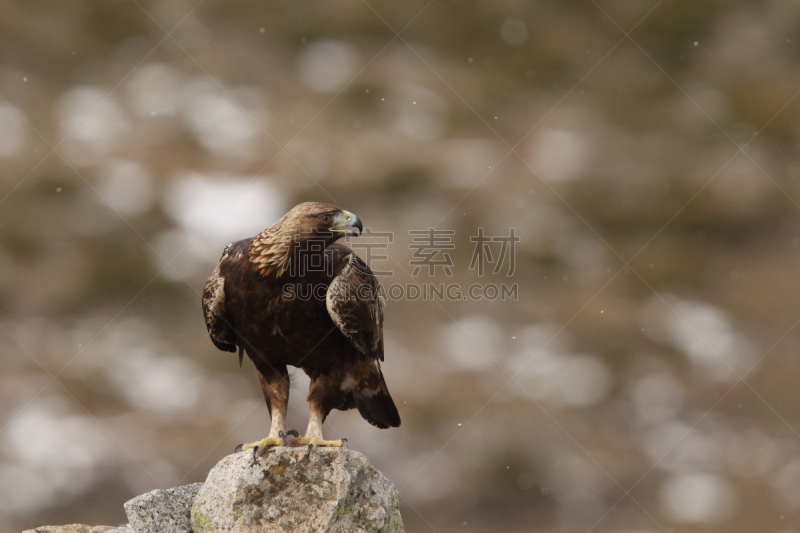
<point x="646" y="154"/>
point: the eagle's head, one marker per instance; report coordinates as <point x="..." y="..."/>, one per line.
<point x="318" y="220"/>
<point x="322" y="223"/>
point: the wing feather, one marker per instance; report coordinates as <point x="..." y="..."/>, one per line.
<point x="356" y="307"/>
<point x="214" y="308"/>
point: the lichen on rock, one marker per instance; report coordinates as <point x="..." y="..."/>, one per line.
<point x="334" y="490"/>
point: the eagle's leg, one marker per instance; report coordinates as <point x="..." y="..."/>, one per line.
<point x="275" y="385"/>
<point x="319" y="410"/>
<point x="313" y="436"/>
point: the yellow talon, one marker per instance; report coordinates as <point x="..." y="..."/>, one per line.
<point x="312" y="443"/>
<point x="260" y="447"/>
<point x="302" y="441"/>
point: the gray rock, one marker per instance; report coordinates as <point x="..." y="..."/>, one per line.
<point x="81" y="528"/>
<point x="335" y="490"/>
<point x="162" y="511"/>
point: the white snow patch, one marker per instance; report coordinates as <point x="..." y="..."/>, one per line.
<point x="221" y="122"/>
<point x="697" y="498"/>
<point x="327" y="66"/>
<point x="558" y="154"/>
<point x="472" y="343"/>
<point x="514" y="31"/>
<point x="163" y="384"/>
<point x="126" y="187"/>
<point x="93" y="121"/>
<point x="55" y="454"/>
<point x="155" y="89"/>
<point x="222" y="208"/>
<point x="701" y="331"/>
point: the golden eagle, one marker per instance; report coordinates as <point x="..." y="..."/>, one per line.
<point x="292" y="296"/>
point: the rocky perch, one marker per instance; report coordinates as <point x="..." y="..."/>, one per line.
<point x="332" y="490"/>
<point x="81" y="528"/>
<point x="335" y="489"/>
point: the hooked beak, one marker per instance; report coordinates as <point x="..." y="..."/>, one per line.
<point x="344" y="223"/>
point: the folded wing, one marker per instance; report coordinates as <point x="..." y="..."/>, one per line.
<point x="218" y="321"/>
<point x="356" y="307"/>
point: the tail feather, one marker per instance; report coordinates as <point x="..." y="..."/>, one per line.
<point x="378" y="408"/>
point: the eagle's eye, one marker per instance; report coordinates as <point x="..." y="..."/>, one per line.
<point x="326" y="219"/>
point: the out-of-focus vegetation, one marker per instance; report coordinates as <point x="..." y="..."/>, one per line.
<point x="645" y="379"/>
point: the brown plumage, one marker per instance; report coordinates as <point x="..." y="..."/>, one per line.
<point x="291" y="296"/>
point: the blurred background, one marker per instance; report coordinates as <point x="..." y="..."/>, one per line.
<point x="646" y="154"/>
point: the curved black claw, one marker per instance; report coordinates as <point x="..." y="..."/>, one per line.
<point x="238" y="448"/>
<point x="255" y="455"/>
<point x="308" y="453"/>
<point x="345" y="443"/>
